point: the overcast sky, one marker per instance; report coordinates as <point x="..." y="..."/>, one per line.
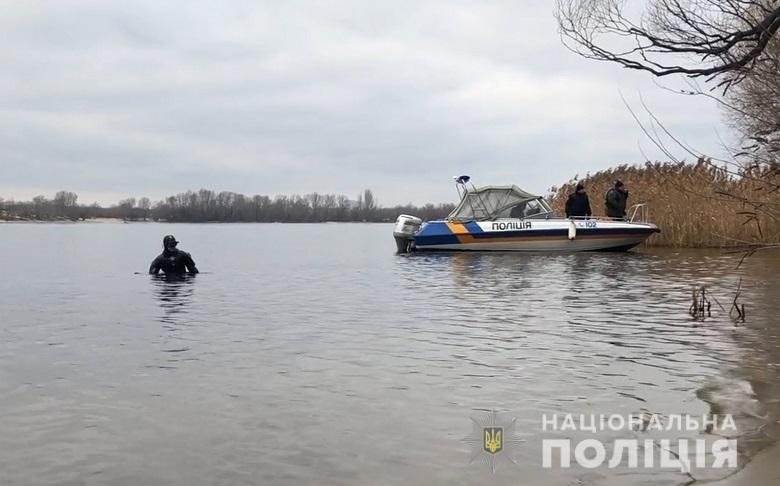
<point x="115" y="99"/>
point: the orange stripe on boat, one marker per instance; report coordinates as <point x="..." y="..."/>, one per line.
<point x="459" y="230"/>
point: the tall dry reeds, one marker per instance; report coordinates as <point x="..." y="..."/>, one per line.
<point x="695" y="205"/>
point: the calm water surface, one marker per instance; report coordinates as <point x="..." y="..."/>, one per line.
<point x="312" y="354"/>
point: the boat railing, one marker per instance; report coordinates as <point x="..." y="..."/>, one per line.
<point x="638" y="213"/>
<point x="594" y="218"/>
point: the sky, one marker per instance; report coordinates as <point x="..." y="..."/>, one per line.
<point x="129" y="99"/>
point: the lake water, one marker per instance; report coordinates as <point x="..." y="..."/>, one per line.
<point x="312" y="354"/>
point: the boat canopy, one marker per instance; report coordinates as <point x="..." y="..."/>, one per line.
<point x="497" y="202"/>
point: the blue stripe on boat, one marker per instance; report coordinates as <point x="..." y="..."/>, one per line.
<point x="473" y="227"/>
<point x="435" y="233"/>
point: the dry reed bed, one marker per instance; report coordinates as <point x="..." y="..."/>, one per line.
<point x="695" y="205"/>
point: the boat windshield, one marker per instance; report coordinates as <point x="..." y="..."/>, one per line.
<point x="496" y="202"/>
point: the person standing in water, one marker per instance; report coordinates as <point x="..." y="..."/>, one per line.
<point x="172" y="260"/>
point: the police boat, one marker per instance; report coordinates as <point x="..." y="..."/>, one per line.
<point x="506" y="218"/>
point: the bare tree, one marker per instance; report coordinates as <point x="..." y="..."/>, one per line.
<point x="41" y="207"/>
<point x="715" y="39"/>
<point x="369" y="204"/>
<point x="65" y="204"/>
<point x="342" y="207"/>
<point x="145" y="205"/>
<point x="315" y="201"/>
<point x="65" y="199"/>
<point x="125" y="208"/>
<point x="328" y="206"/>
<point x="731" y="44"/>
<point x="753" y="107"/>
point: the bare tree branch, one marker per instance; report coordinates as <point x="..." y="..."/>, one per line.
<point x="716" y="39"/>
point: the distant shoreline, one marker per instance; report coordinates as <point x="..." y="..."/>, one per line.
<point x="68" y="221"/>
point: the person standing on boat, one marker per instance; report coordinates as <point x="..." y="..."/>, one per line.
<point x="615" y="200"/>
<point x="172" y="261"/>
<point x="578" y="204"/>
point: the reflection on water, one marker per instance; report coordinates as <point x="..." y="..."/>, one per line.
<point x="174" y="292"/>
<point x="320" y="357"/>
<point x="609" y="333"/>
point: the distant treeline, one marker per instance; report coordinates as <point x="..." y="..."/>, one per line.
<point x="210" y="206"/>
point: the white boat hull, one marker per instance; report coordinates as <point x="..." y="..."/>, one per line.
<point x="544" y="246"/>
<point x="531" y="235"/>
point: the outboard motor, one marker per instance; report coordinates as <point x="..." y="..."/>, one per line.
<point x="405" y="228"/>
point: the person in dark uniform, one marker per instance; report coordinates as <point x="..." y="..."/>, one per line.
<point x="578" y="203"/>
<point x="172" y="261"/>
<point x="615" y="200"/>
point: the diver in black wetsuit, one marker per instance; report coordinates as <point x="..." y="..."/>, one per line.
<point x="172" y="261"/>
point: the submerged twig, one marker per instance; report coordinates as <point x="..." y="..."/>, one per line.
<point x="700" y="304"/>
<point x="737" y="312"/>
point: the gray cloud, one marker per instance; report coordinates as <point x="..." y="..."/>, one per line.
<point x="151" y="98"/>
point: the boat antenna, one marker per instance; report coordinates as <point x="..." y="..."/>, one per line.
<point x="460" y="183"/>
